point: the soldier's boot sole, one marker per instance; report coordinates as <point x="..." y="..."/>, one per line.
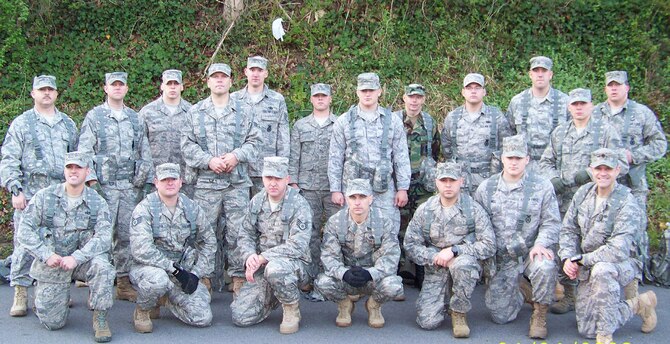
<point x="20" y="304"/>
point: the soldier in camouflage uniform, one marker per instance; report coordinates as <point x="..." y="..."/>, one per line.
<point x="268" y="108"/>
<point x="274" y="244"/>
<point x="308" y="166"/>
<point x="163" y="119"/>
<point x="643" y="140"/>
<point x="596" y="239"/>
<point x="472" y="134"/>
<point x="32" y="157"/>
<point x="449" y="235"/>
<point x="526" y="221"/>
<point x="67" y="228"/>
<point x="219" y="141"/>
<point x="122" y="169"/>
<point x="360" y="254"/>
<point x="536" y="111"/>
<point x="172" y="244"/>
<point x="369" y="142"/>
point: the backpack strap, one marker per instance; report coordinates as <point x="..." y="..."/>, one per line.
<point x="554" y="112"/>
<point x="525" y="106"/>
<point x="353" y="112"/>
<point x="428" y="123"/>
<point x="523" y="215"/>
<point x="287" y="211"/>
<point x="343" y="217"/>
<point x="493" y="133"/>
<point x="93" y="207"/>
<point x="386" y="120"/>
<point x="377" y="228"/>
<point x="559" y="149"/>
<point x="202" y="134"/>
<point x="625" y="135"/>
<point x="466" y="201"/>
<point x="238" y="123"/>
<point x="191" y="218"/>
<point x="491" y="185"/>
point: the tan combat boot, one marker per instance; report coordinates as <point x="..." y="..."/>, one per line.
<point x="291" y="321"/>
<point x="101" y="328"/>
<point x="20" y="306"/>
<point x="526" y="290"/>
<point x="238" y="282"/>
<point x="375" y="318"/>
<point x="630" y="290"/>
<point x="344" y="310"/>
<point x="538" y="321"/>
<point x="559" y="292"/>
<point x="459" y="325"/>
<point x="567" y="304"/>
<point x="645" y="306"/>
<point x="124" y="290"/>
<point x="207" y="283"/>
<point x="142" y="320"/>
<point x="603" y="339"/>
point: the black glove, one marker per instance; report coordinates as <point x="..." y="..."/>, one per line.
<point x="559" y="187"/>
<point x="352" y="277"/>
<point x="582" y="177"/>
<point x="363" y="275"/>
<point x="189" y="281"/>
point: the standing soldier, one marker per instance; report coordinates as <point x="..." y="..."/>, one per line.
<point x="536" y="111"/>
<point x="360" y="254"/>
<point x="32" y="158"/>
<point x="308" y="168"/>
<point x="114" y="136"/>
<point x="268" y="108"/>
<point x="67" y="228"/>
<point x="163" y="119"/>
<point x="596" y="239"/>
<point x="219" y="141"/>
<point x="644" y="141"/>
<point x="449" y="235"/>
<point x="172" y="245"/>
<point x="472" y="134"/>
<point x="274" y="244"/>
<point x="526" y="221"/>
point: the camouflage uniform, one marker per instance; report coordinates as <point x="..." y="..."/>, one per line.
<point x="434" y="228"/>
<point x="185" y="237"/>
<point x="282" y="237"/>
<point x="83" y="230"/>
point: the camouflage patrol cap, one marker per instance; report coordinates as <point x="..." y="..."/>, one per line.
<point x="474" y="78"/>
<point x="604" y="156"/>
<point x="515" y="146"/>
<point x="320" y="89"/>
<point x="167" y="170"/>
<point x="257" y="61"/>
<point x="358" y="187"/>
<point x="44" y="81"/>
<point x="368" y="81"/>
<point x="449" y="169"/>
<point x="580" y="95"/>
<point x="541" y="61"/>
<point x="218" y="68"/>
<point x="413" y="89"/>
<point x="618" y="76"/>
<point x="172" y="75"/>
<point x="78" y="158"/>
<point x="116" y="76"/>
<point x="275" y="166"/>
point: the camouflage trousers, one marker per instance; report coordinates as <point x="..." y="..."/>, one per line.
<point x="416" y="195"/>
<point x="51" y="299"/>
<point x="121" y="204"/>
<point x="322" y="209"/>
<point x="225" y="209"/>
<point x="503" y="297"/>
<point x="277" y="283"/>
<point x="598" y="306"/>
<point x="384" y="202"/>
<point x="151" y="283"/>
<point x="21" y="259"/>
<point x="336" y="290"/>
<point x="459" y="280"/>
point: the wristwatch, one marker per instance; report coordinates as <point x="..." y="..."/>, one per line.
<point x="15" y="190"/>
<point x="455" y="251"/>
<point x="577" y="259"/>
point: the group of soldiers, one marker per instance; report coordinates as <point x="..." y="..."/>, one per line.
<point x="178" y="200"/>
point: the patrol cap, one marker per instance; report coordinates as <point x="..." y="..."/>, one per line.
<point x="604" y="156"/>
<point x="541" y="61"/>
<point x="474" y="78"/>
<point x="172" y="75"/>
<point x="257" y="61"/>
<point x="618" y="76"/>
<point x="44" y="81"/>
<point x="116" y="76"/>
<point x="413" y="89"/>
<point x="515" y="146"/>
<point x="78" y="158"/>
<point x="579" y="95"/>
<point x="167" y="170"/>
<point x="275" y="166"/>
<point x="449" y="169"/>
<point x="358" y="187"/>
<point x="368" y="81"/>
<point x="320" y="89"/>
<point x="218" y="67"/>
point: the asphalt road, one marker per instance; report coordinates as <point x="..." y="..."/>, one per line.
<point x="317" y="325"/>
